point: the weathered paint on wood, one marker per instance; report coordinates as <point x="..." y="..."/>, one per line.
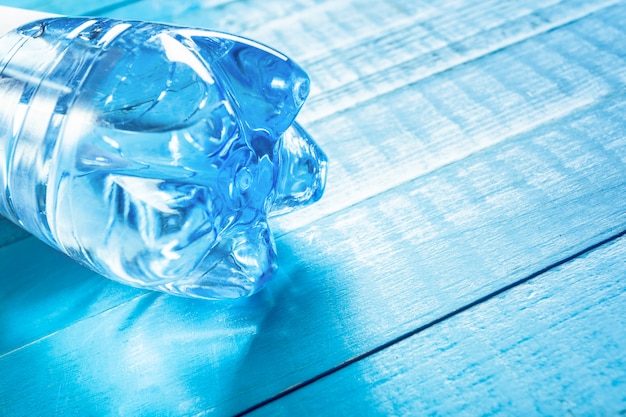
<point x="472" y="144"/>
<point x="411" y="267"/>
<point x="553" y="346"/>
<point x="73" y="8"/>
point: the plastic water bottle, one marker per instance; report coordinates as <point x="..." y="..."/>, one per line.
<point x="153" y="154"/>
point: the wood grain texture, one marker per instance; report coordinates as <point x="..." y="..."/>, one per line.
<point x="400" y="90"/>
<point x="71" y="8"/>
<point x="472" y="144"/>
<point x="43" y="292"/>
<point x="410" y="266"/>
<point x="555" y="345"/>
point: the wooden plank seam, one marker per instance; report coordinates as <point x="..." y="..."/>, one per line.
<point x="419" y="329"/>
<point x="433" y="323"/>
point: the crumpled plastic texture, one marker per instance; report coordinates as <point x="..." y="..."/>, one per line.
<point x="154" y="154"/>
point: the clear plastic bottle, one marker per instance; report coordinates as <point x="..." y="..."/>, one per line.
<point x="153" y="154"/>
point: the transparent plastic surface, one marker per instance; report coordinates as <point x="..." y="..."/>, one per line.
<point x="151" y="153"/>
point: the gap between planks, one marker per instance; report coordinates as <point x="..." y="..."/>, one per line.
<point x="342" y="209"/>
<point x="432" y="323"/>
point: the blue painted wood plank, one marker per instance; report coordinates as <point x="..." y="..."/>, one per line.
<point x="413" y="130"/>
<point x="72" y="7"/>
<point x="383" y="91"/>
<point x="43" y="292"/>
<point x="445" y="185"/>
<point x="379" y="271"/>
<point x="374" y="74"/>
<point x="555" y="345"/>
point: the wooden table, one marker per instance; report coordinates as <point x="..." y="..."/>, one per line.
<point x="468" y="257"/>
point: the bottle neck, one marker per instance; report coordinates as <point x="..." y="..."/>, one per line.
<point x="11" y="18"/>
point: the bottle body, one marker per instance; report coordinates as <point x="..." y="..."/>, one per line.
<point x="153" y="154"/>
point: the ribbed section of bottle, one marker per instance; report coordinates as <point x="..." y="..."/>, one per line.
<point x="38" y="76"/>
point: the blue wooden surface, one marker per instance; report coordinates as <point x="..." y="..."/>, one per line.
<point x="467" y="257"/>
<point x="551" y="346"/>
